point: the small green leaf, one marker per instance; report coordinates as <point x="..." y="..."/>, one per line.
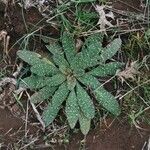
<point x="110" y="50"/>
<point x="54" y="48"/>
<point x="89" y="81"/>
<point x="72" y="109"/>
<point x="85" y="124"/>
<point x="71" y="82"/>
<point x="54" y="106"/>
<point x="56" y="80"/>
<point x="33" y="82"/>
<point x="107" y="100"/>
<point x="58" y="55"/>
<point x="88" y="56"/>
<point x="68" y="46"/>
<point x="85" y="102"/>
<point x="29" y="57"/>
<point x="43" y="94"/>
<point x="44" y="69"/>
<point x="105" y="70"/>
<point x="93" y="45"/>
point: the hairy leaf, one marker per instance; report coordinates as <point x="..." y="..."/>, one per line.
<point x="85" y="102"/>
<point x="85" y="124"/>
<point x="54" y="48"/>
<point x="54" y="106"/>
<point x="107" y="100"/>
<point x="105" y="70"/>
<point x="33" y="82"/>
<point x="43" y="94"/>
<point x="87" y="57"/>
<point x="72" y="109"/>
<point x="110" y="50"/>
<point x="68" y="46"/>
<point x="71" y="82"/>
<point x="60" y="60"/>
<point x="31" y="58"/>
<point x="89" y="81"/>
<point x="56" y="80"/>
<point x="93" y="45"/>
<point x="58" y="55"/>
<point x="44" y="69"/>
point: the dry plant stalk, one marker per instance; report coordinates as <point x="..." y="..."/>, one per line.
<point x="5" y="39"/>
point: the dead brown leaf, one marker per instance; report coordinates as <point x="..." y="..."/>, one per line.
<point x="130" y="71"/>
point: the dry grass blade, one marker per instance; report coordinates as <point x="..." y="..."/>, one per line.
<point x="7" y="80"/>
<point x="36" y="112"/>
<point x="148" y="146"/>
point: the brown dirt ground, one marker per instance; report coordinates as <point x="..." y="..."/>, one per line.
<point x="119" y="136"/>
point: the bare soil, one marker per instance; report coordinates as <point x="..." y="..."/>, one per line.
<point x="116" y="136"/>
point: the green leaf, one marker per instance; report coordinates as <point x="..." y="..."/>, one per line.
<point x="71" y="82"/>
<point x="68" y="46"/>
<point x="44" y="69"/>
<point x="60" y="61"/>
<point x="88" y="56"/>
<point x="110" y="50"/>
<point x="56" y="80"/>
<point x="33" y="82"/>
<point x="43" y="94"/>
<point x="31" y="58"/>
<point x="93" y="45"/>
<point x="89" y="81"/>
<point x="106" y="69"/>
<point x="85" y="124"/>
<point x="58" y="54"/>
<point x="107" y="100"/>
<point x="54" y="48"/>
<point x="54" y="106"/>
<point x="85" y="102"/>
<point x="72" y="109"/>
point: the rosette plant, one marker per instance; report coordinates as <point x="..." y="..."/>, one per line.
<point x="63" y="79"/>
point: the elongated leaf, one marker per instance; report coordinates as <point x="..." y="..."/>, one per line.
<point x="85" y="124"/>
<point x="85" y="102"/>
<point x="71" y="82"/>
<point x="107" y="100"/>
<point x="90" y="51"/>
<point x="31" y="58"/>
<point x="44" y="69"/>
<point x="68" y="46"/>
<point x="107" y="69"/>
<point x="54" y="106"/>
<point x="56" y="80"/>
<point x="60" y="61"/>
<point x="33" y="82"/>
<point x="110" y="50"/>
<point x="72" y="109"/>
<point x="43" y="94"/>
<point x="54" y="48"/>
<point x="58" y="54"/>
<point x="90" y="81"/>
<point x="93" y="45"/>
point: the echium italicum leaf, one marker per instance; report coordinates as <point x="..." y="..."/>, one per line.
<point x="67" y="76"/>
